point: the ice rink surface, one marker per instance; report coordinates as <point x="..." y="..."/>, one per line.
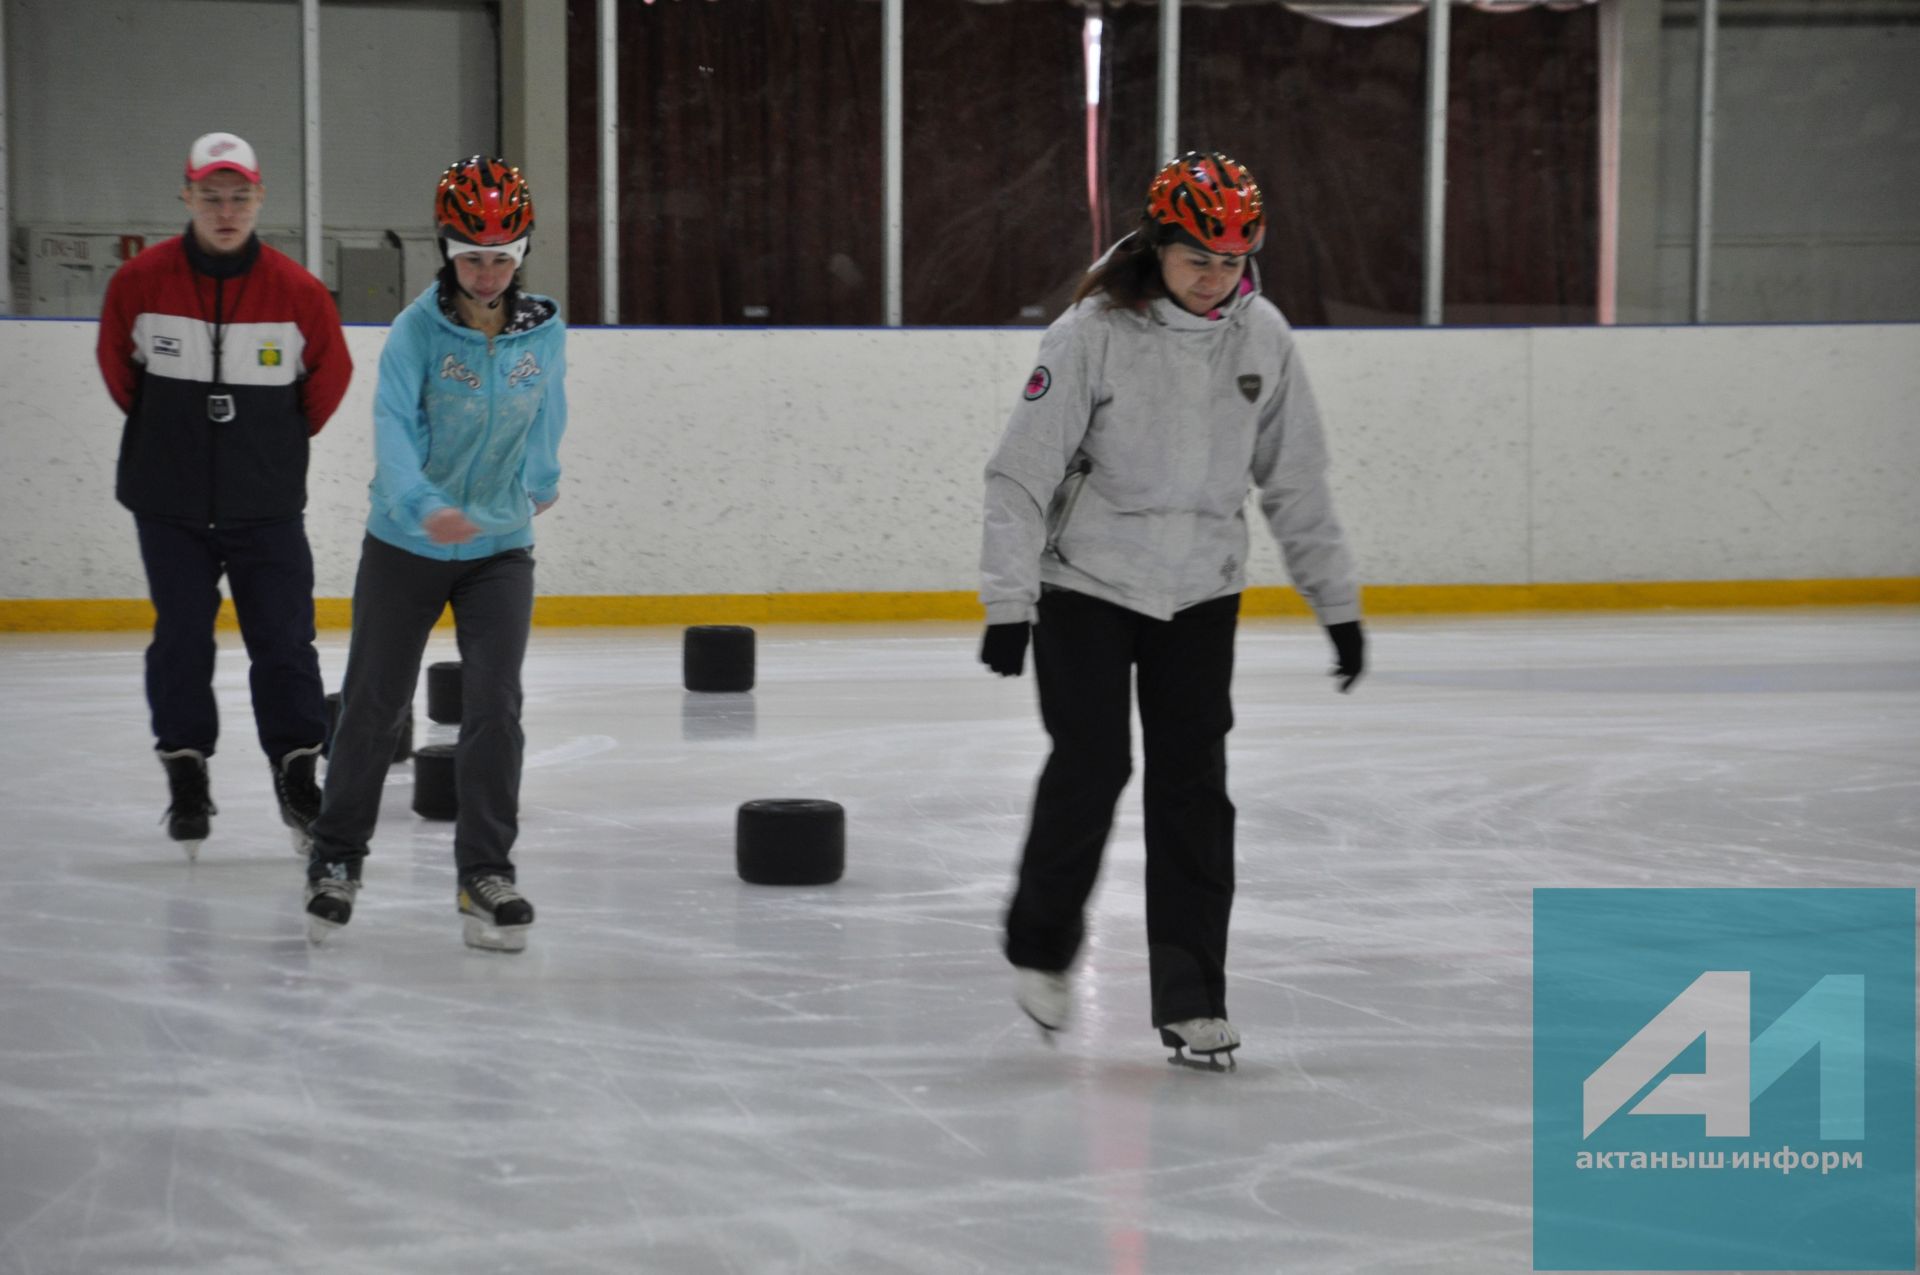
<point x="686" y="1074"/>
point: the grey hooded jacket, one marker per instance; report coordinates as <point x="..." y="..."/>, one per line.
<point x="1125" y="468"/>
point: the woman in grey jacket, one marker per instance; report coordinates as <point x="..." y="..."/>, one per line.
<point x="1116" y="540"/>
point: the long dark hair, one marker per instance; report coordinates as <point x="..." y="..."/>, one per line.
<point x="1130" y="276"/>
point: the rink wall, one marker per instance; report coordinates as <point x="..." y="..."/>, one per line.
<point x="764" y="474"/>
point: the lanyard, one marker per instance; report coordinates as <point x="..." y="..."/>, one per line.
<point x="220" y="408"/>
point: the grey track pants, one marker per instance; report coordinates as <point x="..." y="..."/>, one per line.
<point x="397" y="598"/>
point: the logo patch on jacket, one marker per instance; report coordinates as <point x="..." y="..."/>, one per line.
<point x="1038" y="384"/>
<point x="167" y="345"/>
<point x="1250" y="388"/>
<point x="269" y="354"/>
<point x="452" y="369"/>
<point x="525" y="370"/>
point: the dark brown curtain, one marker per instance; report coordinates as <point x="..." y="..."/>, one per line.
<point x="749" y="162"/>
<point x="1328" y="118"/>
<point x="750" y="158"/>
<point x="995" y="190"/>
<point x="1523" y="160"/>
<point x="1331" y="120"/>
<point x="583" y="163"/>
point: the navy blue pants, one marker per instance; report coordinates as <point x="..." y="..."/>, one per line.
<point x="270" y="570"/>
<point x="1087" y="656"/>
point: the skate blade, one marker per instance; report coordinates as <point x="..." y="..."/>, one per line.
<point x="302" y="843"/>
<point x="1047" y="1030"/>
<point x="192" y="848"/>
<point x="1204" y="1062"/>
<point x="1047" y="1034"/>
<point x="319" y="929"/>
<point x="494" y="938"/>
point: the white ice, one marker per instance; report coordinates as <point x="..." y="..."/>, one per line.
<point x="687" y="1074"/>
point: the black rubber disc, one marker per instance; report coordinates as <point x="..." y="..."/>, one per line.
<point x="443" y="692"/>
<point x="790" y="841"/>
<point x="433" y="792"/>
<point x="717" y="657"/>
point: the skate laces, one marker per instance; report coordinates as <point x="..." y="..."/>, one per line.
<point x="338" y="882"/>
<point x="187" y="784"/>
<point x="295" y="777"/>
<point x="494" y="891"/>
<point x="338" y="888"/>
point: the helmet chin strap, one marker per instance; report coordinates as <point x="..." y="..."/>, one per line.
<point x="491" y="305"/>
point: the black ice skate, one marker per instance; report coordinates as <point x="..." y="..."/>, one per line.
<point x="1208" y="1038"/>
<point x="299" y="796"/>
<point x="497" y="918"/>
<point x="330" y="900"/>
<point x="190" y="816"/>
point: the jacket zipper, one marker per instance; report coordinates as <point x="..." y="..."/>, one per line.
<point x="486" y="432"/>
<point x="213" y="434"/>
<point x="1076" y="479"/>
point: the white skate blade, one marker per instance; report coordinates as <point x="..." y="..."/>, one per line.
<point x="493" y="938"/>
<point x="319" y="929"/>
<point x="192" y="848"/>
<point x="302" y="843"/>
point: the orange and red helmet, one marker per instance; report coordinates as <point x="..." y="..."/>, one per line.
<point x="1209" y="201"/>
<point x="483" y="201"/>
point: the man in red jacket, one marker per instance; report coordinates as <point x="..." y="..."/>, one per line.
<point x="226" y="356"/>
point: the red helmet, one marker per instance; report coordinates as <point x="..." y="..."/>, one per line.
<point x="1205" y="199"/>
<point x="482" y="200"/>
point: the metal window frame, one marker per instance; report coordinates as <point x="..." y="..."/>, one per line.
<point x="1703" y="133"/>
<point x="310" y="134"/>
<point x="609" y="162"/>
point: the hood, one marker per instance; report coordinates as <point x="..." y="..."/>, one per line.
<point x="1168" y="313"/>
<point x="428" y="303"/>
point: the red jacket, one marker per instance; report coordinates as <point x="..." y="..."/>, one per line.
<point x="282" y="363"/>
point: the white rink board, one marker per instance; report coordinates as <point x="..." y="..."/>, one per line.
<point x="848" y="460"/>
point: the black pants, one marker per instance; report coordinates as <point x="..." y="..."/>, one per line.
<point x="397" y="598"/>
<point x="1085" y="655"/>
<point x="270" y="569"/>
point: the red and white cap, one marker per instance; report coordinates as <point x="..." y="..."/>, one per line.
<point x="216" y="151"/>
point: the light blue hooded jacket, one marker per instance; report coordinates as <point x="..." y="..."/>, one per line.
<point x="459" y="425"/>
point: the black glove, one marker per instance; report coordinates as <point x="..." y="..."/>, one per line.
<point x="1004" y="648"/>
<point x="1349" y="653"/>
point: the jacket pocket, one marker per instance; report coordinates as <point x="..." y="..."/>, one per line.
<point x="1065" y="496"/>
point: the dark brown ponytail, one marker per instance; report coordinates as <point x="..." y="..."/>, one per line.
<point x="1130" y="276"/>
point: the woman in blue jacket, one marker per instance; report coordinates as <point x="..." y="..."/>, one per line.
<point x="467" y="426"/>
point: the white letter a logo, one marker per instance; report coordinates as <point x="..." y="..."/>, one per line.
<point x="1715" y="1005"/>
